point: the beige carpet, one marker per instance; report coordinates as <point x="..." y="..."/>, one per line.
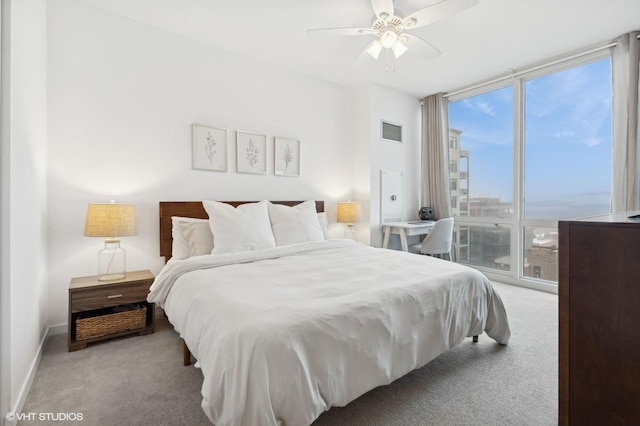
<point x="141" y="381"/>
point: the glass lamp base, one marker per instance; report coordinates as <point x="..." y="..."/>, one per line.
<point x="350" y="233"/>
<point x="111" y="261"/>
<point x="111" y="277"/>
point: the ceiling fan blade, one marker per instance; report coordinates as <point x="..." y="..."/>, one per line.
<point x="382" y="7"/>
<point x="436" y="12"/>
<point x="419" y="47"/>
<point x="340" y="31"/>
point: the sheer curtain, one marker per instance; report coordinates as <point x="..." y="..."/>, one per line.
<point x="625" y="60"/>
<point x="435" y="155"/>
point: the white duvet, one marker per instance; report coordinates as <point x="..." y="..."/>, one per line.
<point x="283" y="334"/>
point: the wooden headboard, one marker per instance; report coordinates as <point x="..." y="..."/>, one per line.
<point x="195" y="209"/>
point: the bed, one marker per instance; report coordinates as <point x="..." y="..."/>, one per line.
<point x="284" y="333"/>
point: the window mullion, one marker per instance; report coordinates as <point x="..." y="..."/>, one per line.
<point x="517" y="254"/>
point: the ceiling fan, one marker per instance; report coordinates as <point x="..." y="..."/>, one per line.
<point x="390" y="29"/>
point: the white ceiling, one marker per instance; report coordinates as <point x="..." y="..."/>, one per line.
<point x="477" y="44"/>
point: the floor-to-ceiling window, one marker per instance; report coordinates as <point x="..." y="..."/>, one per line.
<point x="537" y="149"/>
<point x="483" y="125"/>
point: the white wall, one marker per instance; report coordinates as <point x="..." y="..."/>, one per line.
<point x="122" y="98"/>
<point x="5" y="276"/>
<point x="362" y="145"/>
<point x="24" y="209"/>
<point x="373" y="104"/>
<point x="398" y="108"/>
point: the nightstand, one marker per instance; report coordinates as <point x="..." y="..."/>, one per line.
<point x="100" y="310"/>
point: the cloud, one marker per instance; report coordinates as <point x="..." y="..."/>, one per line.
<point x="486" y="108"/>
<point x="593" y="141"/>
<point x="564" y="134"/>
<point x="475" y="136"/>
<point x="572" y="106"/>
<point x="482" y="106"/>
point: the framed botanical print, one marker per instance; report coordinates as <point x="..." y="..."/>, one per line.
<point x="286" y="153"/>
<point x="251" y="153"/>
<point x="209" y="145"/>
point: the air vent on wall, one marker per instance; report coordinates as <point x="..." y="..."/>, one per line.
<point x="391" y="132"/>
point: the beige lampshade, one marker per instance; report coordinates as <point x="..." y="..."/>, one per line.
<point x="110" y="220"/>
<point x="348" y="211"/>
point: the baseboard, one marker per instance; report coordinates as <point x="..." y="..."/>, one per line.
<point x="26" y="387"/>
<point x="55" y="330"/>
<point x="533" y="285"/>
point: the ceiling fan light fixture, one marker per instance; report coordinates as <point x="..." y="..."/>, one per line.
<point x="374" y="49"/>
<point x="389" y="27"/>
<point x="399" y="49"/>
<point x="388" y="38"/>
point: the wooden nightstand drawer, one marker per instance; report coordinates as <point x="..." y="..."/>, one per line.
<point x="90" y="299"/>
<point x="99" y="310"/>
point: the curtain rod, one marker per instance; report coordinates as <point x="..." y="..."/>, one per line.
<point x="534" y="68"/>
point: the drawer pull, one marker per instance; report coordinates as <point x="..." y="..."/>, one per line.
<point x="115" y="296"/>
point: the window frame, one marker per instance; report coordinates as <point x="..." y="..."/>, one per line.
<point x="517" y="222"/>
<point x="453" y="142"/>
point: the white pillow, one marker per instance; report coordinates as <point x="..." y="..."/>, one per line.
<point x="322" y="219"/>
<point x="180" y="248"/>
<point x="198" y="236"/>
<point x="296" y="224"/>
<point x="244" y="228"/>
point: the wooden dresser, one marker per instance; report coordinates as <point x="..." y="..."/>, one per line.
<point x="599" y="314"/>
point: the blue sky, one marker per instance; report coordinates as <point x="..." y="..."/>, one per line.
<point x="567" y="142"/>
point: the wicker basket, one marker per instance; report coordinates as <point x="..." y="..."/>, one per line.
<point x="89" y="328"/>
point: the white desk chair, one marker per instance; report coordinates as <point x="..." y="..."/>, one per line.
<point x="439" y="240"/>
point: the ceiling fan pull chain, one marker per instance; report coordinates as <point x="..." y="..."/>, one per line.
<point x="390" y="63"/>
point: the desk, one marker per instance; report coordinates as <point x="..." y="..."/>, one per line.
<point x="404" y="229"/>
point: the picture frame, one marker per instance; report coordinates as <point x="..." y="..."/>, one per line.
<point x="286" y="156"/>
<point x="251" y="152"/>
<point x="209" y="148"/>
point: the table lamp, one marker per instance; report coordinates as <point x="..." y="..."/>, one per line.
<point x="349" y="213"/>
<point x="111" y="220"/>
